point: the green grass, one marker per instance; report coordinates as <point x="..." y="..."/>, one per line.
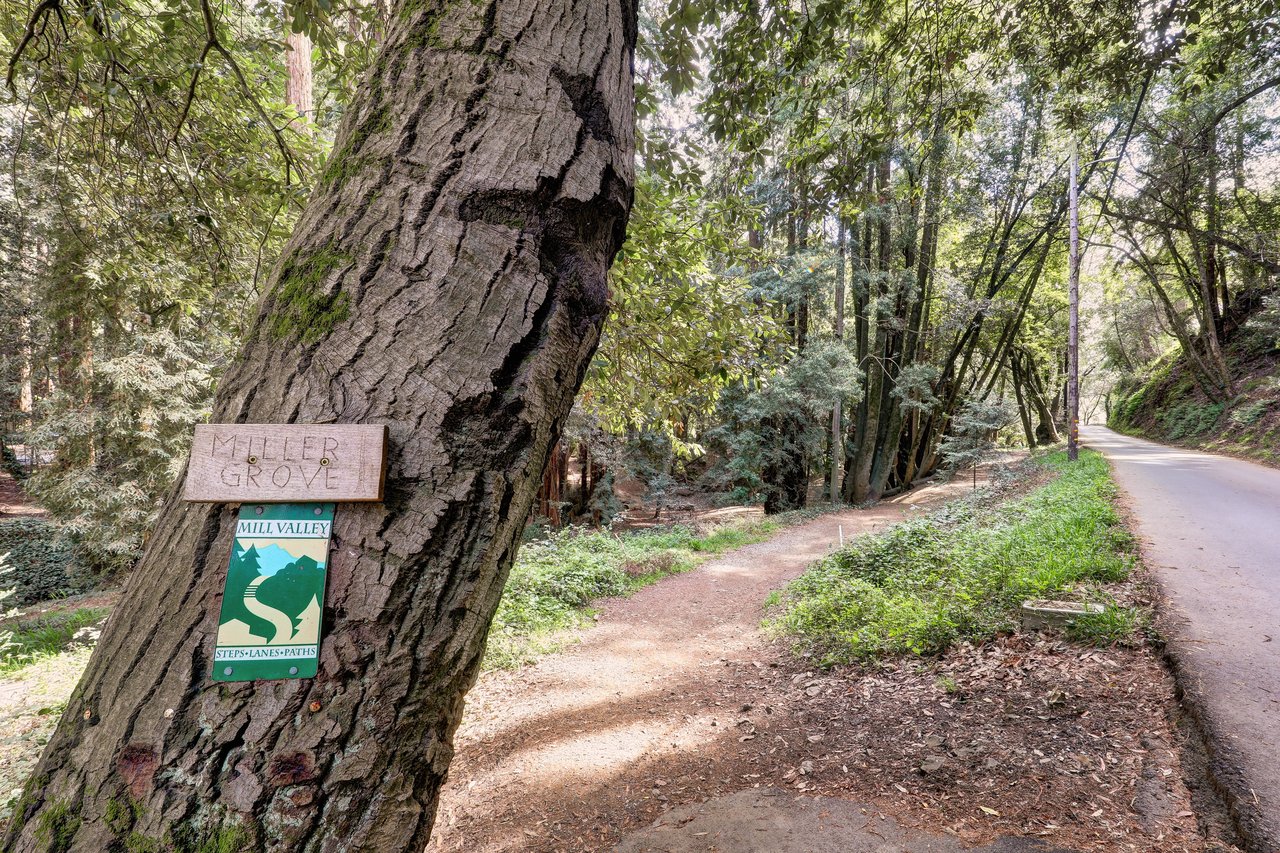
<point x="959" y="574"/>
<point x="26" y="643"/>
<point x="555" y="580"/>
<point x="1113" y="626"/>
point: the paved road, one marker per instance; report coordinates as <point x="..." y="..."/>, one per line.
<point x="1210" y="527"/>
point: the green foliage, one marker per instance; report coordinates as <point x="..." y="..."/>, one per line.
<point x="105" y="501"/>
<point x="31" y="641"/>
<point x="1266" y="321"/>
<point x="604" y="504"/>
<point x="554" y="580"/>
<point x="753" y="420"/>
<point x="681" y="326"/>
<point x="1250" y="413"/>
<point x="41" y="564"/>
<point x="958" y="574"/>
<point x="1137" y="395"/>
<point x="156" y="173"/>
<point x="1188" y="418"/>
<point x="973" y="432"/>
<point x="9" y="463"/>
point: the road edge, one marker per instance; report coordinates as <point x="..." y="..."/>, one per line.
<point x="1221" y="759"/>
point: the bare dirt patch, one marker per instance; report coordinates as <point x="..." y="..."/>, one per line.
<point x="14" y="502"/>
<point x="675" y="698"/>
<point x="31" y="701"/>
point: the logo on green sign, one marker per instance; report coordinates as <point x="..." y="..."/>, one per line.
<point x="274" y="596"/>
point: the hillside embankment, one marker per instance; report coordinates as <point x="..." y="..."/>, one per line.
<point x="1165" y="403"/>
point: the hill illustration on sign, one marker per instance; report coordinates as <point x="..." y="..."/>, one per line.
<point x="269" y="625"/>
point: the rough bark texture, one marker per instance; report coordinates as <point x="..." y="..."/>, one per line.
<point x="447" y="279"/>
<point x="297" y="64"/>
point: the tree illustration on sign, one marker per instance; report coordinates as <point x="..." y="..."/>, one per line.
<point x="293" y="589"/>
<point x="244" y="569"/>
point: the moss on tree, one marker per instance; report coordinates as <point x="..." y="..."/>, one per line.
<point x="307" y="307"/>
<point x="57" y="827"/>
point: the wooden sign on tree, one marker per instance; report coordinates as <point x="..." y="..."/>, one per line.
<point x="280" y="463"/>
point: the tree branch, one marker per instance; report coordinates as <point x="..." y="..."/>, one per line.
<point x="191" y="90"/>
<point x="1243" y="99"/>
<point x="38" y="14"/>
<point x="1258" y="258"/>
<point x="217" y="45"/>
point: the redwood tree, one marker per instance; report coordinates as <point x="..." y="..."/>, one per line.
<point x="447" y="279"/>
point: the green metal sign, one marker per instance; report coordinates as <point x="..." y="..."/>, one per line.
<point x="272" y="603"/>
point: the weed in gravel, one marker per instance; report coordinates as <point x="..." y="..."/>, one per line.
<point x="958" y="574"/>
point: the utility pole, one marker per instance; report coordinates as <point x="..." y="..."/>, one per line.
<point x="1073" y="304"/>
<point x="1073" y="309"/>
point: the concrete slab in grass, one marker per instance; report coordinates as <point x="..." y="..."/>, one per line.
<point x="1041" y="613"/>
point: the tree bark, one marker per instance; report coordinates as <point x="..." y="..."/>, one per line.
<point x="298" y="88"/>
<point x="447" y="278"/>
<point x="1024" y="413"/>
<point x="837" y="411"/>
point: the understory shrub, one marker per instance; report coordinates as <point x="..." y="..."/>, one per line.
<point x="1250" y="413"/>
<point x="960" y="573"/>
<point x="1189" y="418"/>
<point x="33" y="640"/>
<point x="41" y="563"/>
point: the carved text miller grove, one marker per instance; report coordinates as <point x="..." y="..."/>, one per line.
<point x="247" y="463"/>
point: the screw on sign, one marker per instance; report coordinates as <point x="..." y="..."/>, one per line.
<point x="288" y="479"/>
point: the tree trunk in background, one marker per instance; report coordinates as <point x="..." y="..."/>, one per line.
<point x="447" y="278"/>
<point x="785" y="473"/>
<point x="1024" y="411"/>
<point x="297" y="63"/>
<point x="26" y="386"/>
<point x="1213" y="331"/>
<point x="73" y="342"/>
<point x="549" y="493"/>
<point x="879" y="382"/>
<point x="837" y="429"/>
<point x="917" y="339"/>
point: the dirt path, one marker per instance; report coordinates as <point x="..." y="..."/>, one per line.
<point x="591" y="729"/>
<point x="14" y="502"/>
<point x="674" y="726"/>
<point x="646" y="710"/>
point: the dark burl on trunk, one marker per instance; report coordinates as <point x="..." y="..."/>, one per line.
<point x="447" y="279"/>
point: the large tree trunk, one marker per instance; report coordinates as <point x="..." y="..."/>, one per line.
<point x="447" y="279"/>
